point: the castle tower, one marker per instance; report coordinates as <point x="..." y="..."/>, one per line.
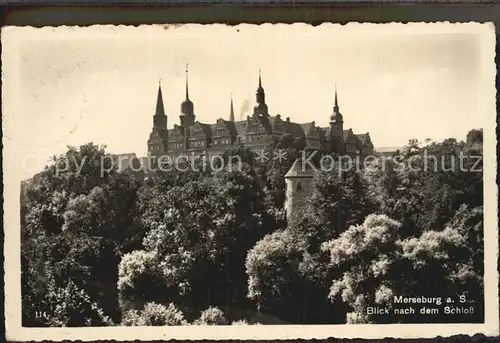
<point x="187" y="116"/>
<point x="260" y="107"/>
<point x="336" y="119"/>
<point x="157" y="142"/>
<point x="336" y="127"/>
<point x="298" y="183"/>
<point x="231" y="110"/>
<point x="159" y="118"/>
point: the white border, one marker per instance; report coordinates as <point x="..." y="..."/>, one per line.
<point x="14" y="331"/>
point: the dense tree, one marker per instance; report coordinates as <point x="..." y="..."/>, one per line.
<point x="475" y="137"/>
<point x="197" y="238"/>
<point x="366" y="259"/>
<point x="427" y="183"/>
<point x="283" y="280"/>
<point x="338" y="200"/>
<point x="80" y="217"/>
<point x="432" y="235"/>
<point x="71" y="306"/>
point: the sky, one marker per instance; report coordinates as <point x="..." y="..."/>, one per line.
<point x="99" y="84"/>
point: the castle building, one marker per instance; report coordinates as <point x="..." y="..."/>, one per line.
<point x="257" y="131"/>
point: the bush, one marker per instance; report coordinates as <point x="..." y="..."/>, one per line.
<point x="240" y="322"/>
<point x="73" y="307"/>
<point x="212" y="316"/>
<point x="154" y="314"/>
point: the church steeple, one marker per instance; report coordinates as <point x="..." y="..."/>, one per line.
<point x="336" y="105"/>
<point x="336" y="116"/>
<point x="231" y="110"/>
<point x="260" y="97"/>
<point x="187" y="107"/>
<point x="260" y="94"/>
<point x="160" y="110"/>
<point x="158" y="138"/>
<point x="187" y="82"/>
<point x="160" y="118"/>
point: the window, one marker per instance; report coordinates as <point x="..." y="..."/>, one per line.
<point x="299" y="187"/>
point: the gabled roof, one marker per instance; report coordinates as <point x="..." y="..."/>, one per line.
<point x="309" y="127"/>
<point x="205" y="128"/>
<point x="364" y="138"/>
<point x="162" y="133"/>
<point x="326" y="131"/>
<point x="178" y="129"/>
<point x="306" y="127"/>
<point x="294" y="129"/>
<point x="240" y="127"/>
<point x="347" y="134"/>
<point x="266" y="123"/>
<point x="226" y="124"/>
<point x="300" y="168"/>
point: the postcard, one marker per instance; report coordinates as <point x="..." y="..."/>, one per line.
<point x="250" y="182"/>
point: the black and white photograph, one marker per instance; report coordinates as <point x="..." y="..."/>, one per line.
<point x="250" y="181"/>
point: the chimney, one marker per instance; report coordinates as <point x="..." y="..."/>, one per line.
<point x="287" y="119"/>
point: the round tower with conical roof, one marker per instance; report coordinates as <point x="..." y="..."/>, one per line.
<point x="298" y="186"/>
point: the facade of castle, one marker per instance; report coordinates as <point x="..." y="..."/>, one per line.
<point x="259" y="130"/>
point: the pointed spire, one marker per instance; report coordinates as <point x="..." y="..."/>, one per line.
<point x="160" y="110"/>
<point x="336" y="116"/>
<point x="260" y="80"/>
<point x="260" y="89"/>
<point x="260" y="98"/>
<point x="231" y="111"/>
<point x="187" y="86"/>
<point x="336" y="98"/>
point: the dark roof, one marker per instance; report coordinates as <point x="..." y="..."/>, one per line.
<point x="177" y="128"/>
<point x="294" y="129"/>
<point x="326" y="131"/>
<point x="364" y="137"/>
<point x="240" y="127"/>
<point x="229" y="125"/>
<point x="162" y="133"/>
<point x="206" y="128"/>
<point x="301" y="169"/>
<point x="347" y="133"/>
<point x="306" y="127"/>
